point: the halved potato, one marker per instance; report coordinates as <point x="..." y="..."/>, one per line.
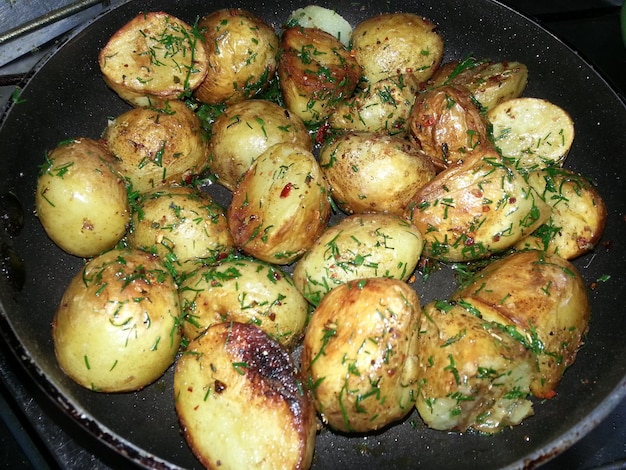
<point x="241" y="402"/>
<point x="315" y="16"/>
<point x="155" y="57"/>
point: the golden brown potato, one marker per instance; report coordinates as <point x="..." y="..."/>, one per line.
<point x="184" y="226"/>
<point x="154" y="58"/>
<point x="383" y="106"/>
<point x="471" y="374"/>
<point x="476" y="208"/>
<point x="359" y="355"/>
<point x="447" y="124"/>
<point x="244" y="131"/>
<point x="541" y="301"/>
<point x="374" y="172"/>
<point x="578" y="214"/>
<point x="246" y="291"/>
<point x="237" y="376"/>
<point x="326" y="19"/>
<point x="397" y="43"/>
<point x="241" y="56"/>
<point x="316" y="72"/>
<point x="156" y="146"/>
<point x="81" y="198"/>
<point x="117" y="327"/>
<point x="358" y="246"/>
<point x="281" y="206"/>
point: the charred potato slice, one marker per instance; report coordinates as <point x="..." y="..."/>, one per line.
<point x="374" y="172"/>
<point x="359" y="354"/>
<point x="245" y="291"/>
<point x="156" y="146"/>
<point x="81" y="198"/>
<point x="533" y="133"/>
<point x="540" y="300"/>
<point x="155" y="57"/>
<point x="578" y="214"/>
<point x="241" y="402"/>
<point x="316" y="72"/>
<point x="471" y="374"/>
<point x="117" y="327"/>
<point x="244" y="131"/>
<point x="241" y="56"/>
<point x="359" y="246"/>
<point x="184" y="226"/>
<point x="397" y="43"/>
<point x="280" y="206"/>
<point x="475" y="209"/>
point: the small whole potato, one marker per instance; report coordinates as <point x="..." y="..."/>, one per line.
<point x="397" y="43"/>
<point x="358" y="246"/>
<point x="241" y="56"/>
<point x="244" y="131"/>
<point x="280" y="206"/>
<point x="81" y="198"/>
<point x="156" y="146"/>
<point x="374" y="172"/>
<point x="244" y="290"/>
<point x="182" y="225"/>
<point x="360" y="354"/>
<point x="241" y="402"/>
<point x="117" y="327"/>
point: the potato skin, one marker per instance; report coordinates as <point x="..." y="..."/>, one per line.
<point x="316" y="73"/>
<point x="544" y="299"/>
<point x="117" y="327"/>
<point x="242" y="54"/>
<point x="359" y="355"/>
<point x="246" y="291"/>
<point x="152" y="59"/>
<point x="374" y="172"/>
<point x="244" y="131"/>
<point x="81" y="198"/>
<point x="182" y="225"/>
<point x="397" y="43"/>
<point x="358" y="246"/>
<point x="475" y="209"/>
<point x="237" y="376"/>
<point x="280" y="206"/>
<point x="156" y="146"/>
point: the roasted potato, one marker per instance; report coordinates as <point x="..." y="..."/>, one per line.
<point x="578" y="213"/>
<point x="315" y="16"/>
<point x="316" y="72"/>
<point x="471" y="374"/>
<point x="374" y="172"/>
<point x="184" y="226"/>
<point x="280" y="206"/>
<point x="541" y="301"/>
<point x="81" y="198"/>
<point x="241" y="402"/>
<point x="475" y="209"/>
<point x="397" y="43"/>
<point x="156" y="146"/>
<point x="117" y="327"/>
<point x="383" y="106"/>
<point x="359" y="246"/>
<point x="241" y="56"/>
<point x="244" y="131"/>
<point x="246" y="291"/>
<point x="154" y="58"/>
<point x="359" y="356"/>
<point x="447" y="124"/>
<point x="533" y="133"/>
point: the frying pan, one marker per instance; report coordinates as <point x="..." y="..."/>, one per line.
<point x="67" y="98"/>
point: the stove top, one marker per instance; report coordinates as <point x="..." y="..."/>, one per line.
<point x="34" y="433"/>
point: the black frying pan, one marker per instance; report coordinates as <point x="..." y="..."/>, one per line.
<point x="67" y="98"/>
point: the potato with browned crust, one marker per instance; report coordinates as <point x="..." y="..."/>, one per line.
<point x="241" y="56"/>
<point x="241" y="402"/>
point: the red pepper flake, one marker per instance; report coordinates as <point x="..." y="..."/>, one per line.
<point x="320" y="135"/>
<point x="469" y="241"/>
<point x="428" y="120"/>
<point x="286" y="190"/>
<point x="512" y="200"/>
